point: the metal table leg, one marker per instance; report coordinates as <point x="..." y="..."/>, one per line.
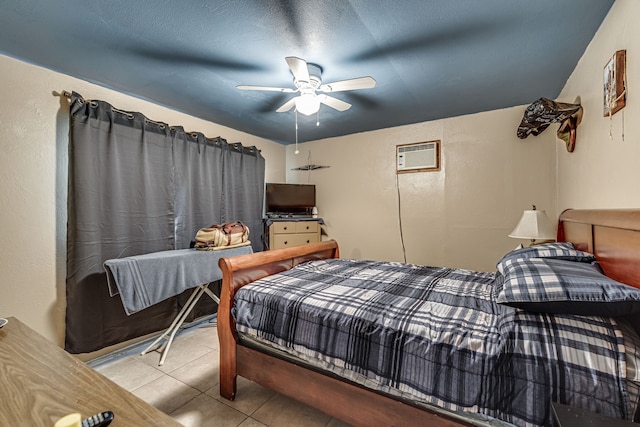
<point x="170" y="333"/>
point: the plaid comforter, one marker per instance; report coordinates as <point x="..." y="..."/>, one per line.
<point x="436" y="336"/>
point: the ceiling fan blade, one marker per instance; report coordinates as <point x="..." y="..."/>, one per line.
<point x="298" y="68"/>
<point x="268" y="88"/>
<point x="287" y="106"/>
<point x="351" y="84"/>
<point x="334" y="102"/>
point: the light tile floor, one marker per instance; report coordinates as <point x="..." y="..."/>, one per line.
<point x="186" y="387"/>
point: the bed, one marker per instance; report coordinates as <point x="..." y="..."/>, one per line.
<point x="356" y="394"/>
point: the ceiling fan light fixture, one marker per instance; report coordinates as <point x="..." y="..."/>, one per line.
<point x="307" y="78"/>
<point x="307" y="104"/>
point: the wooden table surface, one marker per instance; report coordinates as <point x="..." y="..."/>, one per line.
<point x="40" y="383"/>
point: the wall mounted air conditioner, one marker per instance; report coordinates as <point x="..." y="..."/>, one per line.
<point x="418" y="157"/>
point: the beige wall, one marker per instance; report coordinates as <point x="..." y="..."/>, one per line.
<point x="604" y="171"/>
<point x="459" y="216"/>
<point x="33" y="182"/>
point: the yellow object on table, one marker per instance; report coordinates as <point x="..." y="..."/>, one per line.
<point x="71" y="420"/>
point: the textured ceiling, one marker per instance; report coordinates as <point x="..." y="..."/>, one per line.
<point x="431" y="58"/>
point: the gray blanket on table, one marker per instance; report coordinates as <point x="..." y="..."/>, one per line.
<point x="145" y="280"/>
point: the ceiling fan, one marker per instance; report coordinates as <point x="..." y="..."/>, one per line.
<point x="307" y="79"/>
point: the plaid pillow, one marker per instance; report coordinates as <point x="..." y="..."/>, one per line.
<point x="555" y="250"/>
<point x="547" y="285"/>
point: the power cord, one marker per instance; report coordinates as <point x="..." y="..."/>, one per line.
<point x="404" y="250"/>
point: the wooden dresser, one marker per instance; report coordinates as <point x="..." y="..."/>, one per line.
<point x="41" y="383"/>
<point x="284" y="234"/>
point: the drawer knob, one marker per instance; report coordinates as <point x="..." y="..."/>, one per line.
<point x="308" y="241"/>
<point x="285" y="242"/>
<point x="285" y="228"/>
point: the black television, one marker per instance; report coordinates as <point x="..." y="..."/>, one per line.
<point x="289" y="199"/>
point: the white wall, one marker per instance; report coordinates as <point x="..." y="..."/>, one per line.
<point x="604" y="171"/>
<point x="34" y="126"/>
<point x="459" y="216"/>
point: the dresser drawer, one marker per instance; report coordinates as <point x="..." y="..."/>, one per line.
<point x="288" y="240"/>
<point x="283" y="227"/>
<point x="307" y="226"/>
<point x="284" y="234"/>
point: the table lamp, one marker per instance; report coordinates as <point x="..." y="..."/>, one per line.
<point x="534" y="225"/>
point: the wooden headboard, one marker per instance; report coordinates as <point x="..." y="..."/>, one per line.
<point x="612" y="235"/>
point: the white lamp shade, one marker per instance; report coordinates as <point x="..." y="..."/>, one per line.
<point x="307" y="104"/>
<point x="534" y="225"/>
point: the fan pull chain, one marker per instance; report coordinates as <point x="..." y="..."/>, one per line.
<point x="318" y="118"/>
<point x="296" y="150"/>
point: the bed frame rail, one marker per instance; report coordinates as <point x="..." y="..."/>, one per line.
<point x="348" y="402"/>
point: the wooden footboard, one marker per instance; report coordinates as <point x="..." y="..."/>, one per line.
<point x="241" y="270"/>
<point x="348" y="402"/>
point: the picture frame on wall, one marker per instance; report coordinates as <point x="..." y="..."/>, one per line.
<point x="615" y="83"/>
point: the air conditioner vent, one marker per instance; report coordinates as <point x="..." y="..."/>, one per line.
<point x="418" y="157"/>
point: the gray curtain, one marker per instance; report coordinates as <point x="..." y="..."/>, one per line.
<point x="137" y="186"/>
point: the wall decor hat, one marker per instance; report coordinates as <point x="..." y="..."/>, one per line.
<point x="540" y="114"/>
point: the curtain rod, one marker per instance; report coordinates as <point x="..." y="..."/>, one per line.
<point x="67" y="94"/>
